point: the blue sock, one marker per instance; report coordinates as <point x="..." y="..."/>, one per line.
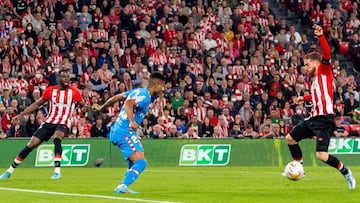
<point x="134" y="172"/>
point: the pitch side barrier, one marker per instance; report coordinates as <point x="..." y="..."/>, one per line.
<point x="179" y="152"/>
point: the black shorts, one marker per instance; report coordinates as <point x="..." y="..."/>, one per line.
<point x="320" y="126"/>
<point x="46" y="130"/>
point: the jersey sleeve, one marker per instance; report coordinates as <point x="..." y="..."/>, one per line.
<point x="325" y="66"/>
<point x="141" y="97"/>
<point x="77" y="96"/>
<point x="326" y="53"/>
<point x="47" y="94"/>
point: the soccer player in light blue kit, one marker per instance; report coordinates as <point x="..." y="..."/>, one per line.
<point x="123" y="131"/>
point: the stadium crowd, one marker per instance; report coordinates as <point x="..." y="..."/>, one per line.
<point x="232" y="70"/>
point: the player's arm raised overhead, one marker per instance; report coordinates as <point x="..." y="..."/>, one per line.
<point x="326" y="53"/>
<point x="111" y="101"/>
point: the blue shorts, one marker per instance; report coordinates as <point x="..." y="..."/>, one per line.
<point x="126" y="140"/>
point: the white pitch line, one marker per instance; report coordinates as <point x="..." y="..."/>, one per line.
<point x="83" y="195"/>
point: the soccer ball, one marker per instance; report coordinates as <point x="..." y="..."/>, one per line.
<point x="294" y="170"/>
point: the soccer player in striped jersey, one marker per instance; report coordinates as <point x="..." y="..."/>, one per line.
<point x="321" y="120"/>
<point x="123" y="131"/>
<point x="61" y="100"/>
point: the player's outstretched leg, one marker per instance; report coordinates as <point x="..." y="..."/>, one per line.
<point x="33" y="143"/>
<point x="336" y="163"/>
<point x="17" y="161"/>
<point x="294" y="149"/>
<point x="57" y="159"/>
<point x="132" y="174"/>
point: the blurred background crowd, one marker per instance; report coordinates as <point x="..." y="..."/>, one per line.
<point x="232" y="67"/>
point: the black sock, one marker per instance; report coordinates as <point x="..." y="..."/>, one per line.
<point x="295" y="152"/>
<point x="21" y="156"/>
<point x="334" y="162"/>
<point x="57" y="151"/>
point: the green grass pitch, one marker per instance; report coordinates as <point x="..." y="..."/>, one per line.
<point x="179" y="184"/>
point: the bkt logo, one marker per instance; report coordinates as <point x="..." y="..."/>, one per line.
<point x="72" y="155"/>
<point x="205" y="155"/>
<point x="344" y="146"/>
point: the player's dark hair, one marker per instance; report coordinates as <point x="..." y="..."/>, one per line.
<point x="314" y="56"/>
<point x="157" y="76"/>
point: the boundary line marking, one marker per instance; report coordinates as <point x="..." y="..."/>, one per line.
<point x="83" y="195"/>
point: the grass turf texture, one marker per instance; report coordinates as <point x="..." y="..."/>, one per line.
<point x="183" y="184"/>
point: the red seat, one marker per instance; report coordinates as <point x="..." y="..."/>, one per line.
<point x="355" y="129"/>
<point x="344" y="48"/>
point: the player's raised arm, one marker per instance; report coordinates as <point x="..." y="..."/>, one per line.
<point x="111" y="101"/>
<point x="326" y="54"/>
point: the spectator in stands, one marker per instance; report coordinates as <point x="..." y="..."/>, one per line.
<point x="208" y="129"/>
<point x="98" y="129"/>
<point x="350" y="105"/>
<point x="235" y="132"/>
<point x="354" y="51"/>
<point x="267" y="132"/>
<point x="6" y="119"/>
<point x="145" y="129"/>
<point x="157" y="132"/>
<point x="17" y="130"/>
<point x="31" y="124"/>
<point x="179" y="40"/>
<point x="249" y="132"/>
<point x="336" y="34"/>
<point x="339" y="129"/>
<point x="174" y="133"/>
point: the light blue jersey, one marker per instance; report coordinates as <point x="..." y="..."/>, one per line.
<point x="120" y="133"/>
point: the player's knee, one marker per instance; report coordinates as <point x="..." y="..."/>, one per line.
<point x="140" y="165"/>
<point x="322" y="156"/>
<point x="290" y="140"/>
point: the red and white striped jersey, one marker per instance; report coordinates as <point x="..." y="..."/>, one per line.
<point x="252" y="69"/>
<point x="6" y="67"/>
<point x="8" y="84"/>
<point x="162" y="102"/>
<point x="322" y="96"/>
<point x="112" y="111"/>
<point x="154" y="43"/>
<point x="200" y="112"/>
<point x="194" y="44"/>
<point x="222" y="44"/>
<point x="145" y="10"/>
<point x="196" y="68"/>
<point x="263" y="22"/>
<point x="151" y="3"/>
<point x="30" y="69"/>
<point x="199" y="37"/>
<point x="21" y="85"/>
<point x="238" y="69"/>
<point x="102" y="33"/>
<point x="61" y="104"/>
<point x="161" y="27"/>
<point x="205" y="26"/>
<point x="293" y="79"/>
<point x="58" y="59"/>
<point x="167" y="121"/>
<point x="224" y="129"/>
<point x="114" y="87"/>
